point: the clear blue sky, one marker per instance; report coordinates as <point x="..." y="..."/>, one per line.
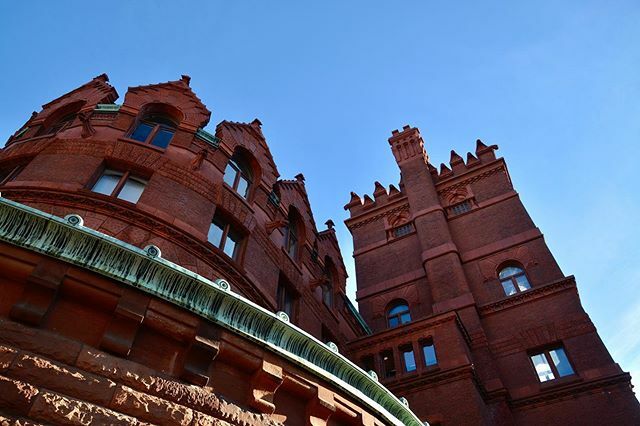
<point x="555" y="84"/>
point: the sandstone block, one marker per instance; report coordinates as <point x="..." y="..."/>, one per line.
<point x="57" y="409"/>
<point x="15" y="396"/>
<point x="66" y="380"/>
<point x="150" y="408"/>
<point x="39" y="341"/>
<point x="7" y="355"/>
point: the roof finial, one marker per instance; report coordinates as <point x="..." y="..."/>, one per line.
<point x="185" y="78"/>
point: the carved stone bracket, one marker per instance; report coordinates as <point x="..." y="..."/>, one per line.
<point x="320" y="407"/>
<point x="87" y="128"/>
<point x="272" y="226"/>
<point x="119" y="336"/>
<point x="264" y="383"/>
<point x="203" y="350"/>
<point x="39" y="293"/>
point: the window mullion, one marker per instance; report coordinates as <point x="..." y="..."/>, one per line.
<point x="547" y="355"/>
<point x="152" y="135"/>
<point x="223" y="238"/>
<point x="120" y="184"/>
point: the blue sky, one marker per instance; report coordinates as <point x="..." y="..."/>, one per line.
<point x="555" y="84"/>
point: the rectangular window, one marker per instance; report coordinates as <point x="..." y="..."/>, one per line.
<point x="429" y="353"/>
<point x="388" y="364"/>
<point x="224" y="236"/>
<point x="120" y="184"/>
<point x="460" y="208"/>
<point x="286" y="298"/>
<point x="551" y="364"/>
<point x="9" y="174"/>
<point x="402" y="230"/>
<point x="408" y="358"/>
<point x="367" y="363"/>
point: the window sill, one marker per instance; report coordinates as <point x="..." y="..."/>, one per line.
<point x="245" y="201"/>
<point x="143" y="144"/>
<point x="560" y="382"/>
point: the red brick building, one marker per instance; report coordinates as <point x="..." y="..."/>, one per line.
<point x="473" y="321"/>
<point x="152" y="272"/>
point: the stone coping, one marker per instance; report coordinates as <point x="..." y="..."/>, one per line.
<point x="67" y="239"/>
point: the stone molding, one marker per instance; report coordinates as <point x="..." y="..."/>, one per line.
<point x="528" y="296"/>
<point x="32" y="229"/>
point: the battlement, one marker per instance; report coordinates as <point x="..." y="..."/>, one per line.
<point x="381" y="197"/>
<point x="457" y="166"/>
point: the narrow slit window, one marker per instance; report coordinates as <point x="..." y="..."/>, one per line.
<point x="408" y="358"/>
<point x="429" y="353"/>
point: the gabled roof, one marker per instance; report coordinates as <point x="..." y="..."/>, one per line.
<point x="104" y="92"/>
<point x="196" y="112"/>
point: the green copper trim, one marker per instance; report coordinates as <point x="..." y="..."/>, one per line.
<point x="357" y="315"/>
<point x="68" y="240"/>
<point x="107" y="108"/>
<point x="208" y="138"/>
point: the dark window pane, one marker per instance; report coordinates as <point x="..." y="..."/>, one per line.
<point x="388" y="364"/>
<point x="393" y="322"/>
<point x="132" y="190"/>
<point x="561" y="362"/>
<point x="327" y="295"/>
<point x="162" y="138"/>
<point x="409" y="360"/>
<point x="293" y="245"/>
<point x="402" y="230"/>
<point x="405" y="318"/>
<point x="429" y="352"/>
<point x="142" y="132"/>
<point x="107" y="182"/>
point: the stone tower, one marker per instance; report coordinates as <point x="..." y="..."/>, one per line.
<point x="473" y="321"/>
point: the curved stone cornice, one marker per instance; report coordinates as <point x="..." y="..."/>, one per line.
<point x="32" y="229"/>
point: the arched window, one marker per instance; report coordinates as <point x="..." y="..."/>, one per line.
<point x="328" y="285"/>
<point x="398" y="314"/>
<point x="294" y="234"/>
<point x="157" y="125"/>
<point x="60" y="119"/>
<point x="238" y="175"/>
<point x="513" y="280"/>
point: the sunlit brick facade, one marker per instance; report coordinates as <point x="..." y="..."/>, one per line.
<point x="473" y="320"/>
<point x="153" y="272"/>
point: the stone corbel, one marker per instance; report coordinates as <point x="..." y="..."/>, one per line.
<point x="317" y="282"/>
<point x="273" y="225"/>
<point x="264" y="383"/>
<point x="87" y="128"/>
<point x="320" y="407"/>
<point x="119" y="336"/>
<point x="202" y="351"/>
<point x="197" y="161"/>
<point x="39" y="293"/>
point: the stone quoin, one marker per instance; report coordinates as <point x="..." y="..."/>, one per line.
<point x="153" y="272"/>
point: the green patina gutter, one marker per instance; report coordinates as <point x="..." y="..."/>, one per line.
<point x="68" y="240"/>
